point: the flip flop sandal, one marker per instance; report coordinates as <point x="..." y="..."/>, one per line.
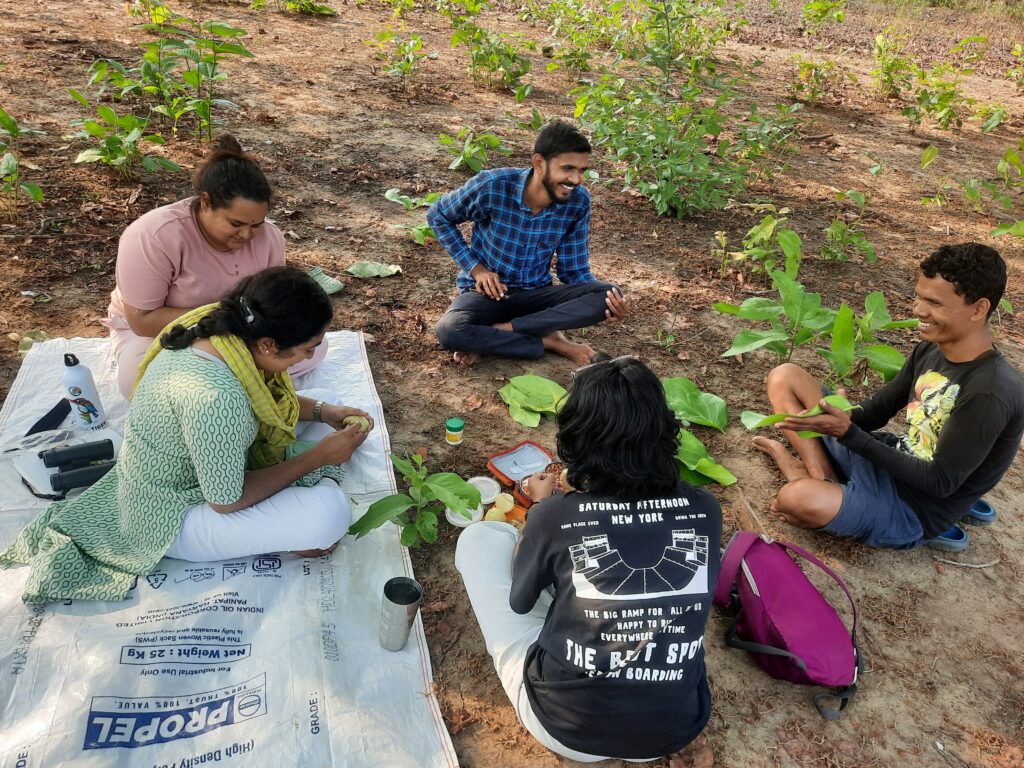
<point x="953" y="540"/>
<point x="982" y="513"/>
<point x="328" y="283"/>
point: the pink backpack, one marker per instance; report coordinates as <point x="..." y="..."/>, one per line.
<point x="792" y="632"/>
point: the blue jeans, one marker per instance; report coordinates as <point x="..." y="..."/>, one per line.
<point x="467" y="326"/>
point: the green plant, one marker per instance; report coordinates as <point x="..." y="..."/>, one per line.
<point x="421" y="232"/>
<point x="298" y="6"/>
<point x="817" y="13"/>
<point x="673" y="145"/>
<point x="1016" y="70"/>
<point x="813" y="79"/>
<point x="401" y="57"/>
<point x="938" y="92"/>
<point x="417" y="510"/>
<point x="13" y="186"/>
<point x="410" y="203"/>
<point x="843" y="237"/>
<point x="893" y="73"/>
<point x="492" y="53"/>
<point x="991" y="115"/>
<point x="666" y="340"/>
<point x="798" y="318"/>
<point x="470" y="148"/>
<point x="201" y="48"/>
<point x="154" y="78"/>
<point x="795" y="319"/>
<point x="118" y="137"/>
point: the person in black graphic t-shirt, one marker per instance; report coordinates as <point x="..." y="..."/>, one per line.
<point x="965" y="414"/>
<point x="595" y="620"/>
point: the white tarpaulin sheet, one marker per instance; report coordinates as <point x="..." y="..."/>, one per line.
<point x="263" y="661"/>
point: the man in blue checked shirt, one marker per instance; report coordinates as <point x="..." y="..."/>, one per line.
<point x="508" y="304"/>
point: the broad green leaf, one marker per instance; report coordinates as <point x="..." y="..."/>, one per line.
<point x="690" y="449"/>
<point x="452" y="491"/>
<point x="692" y="455"/>
<point x="876" y="307"/>
<point x="8" y="124"/>
<point x="748" y="341"/>
<point x="692" y="476"/>
<point x="754" y="420"/>
<point x="714" y="470"/>
<point x="842" y="341"/>
<point x="1006" y="305"/>
<point x="1016" y="229"/>
<point x="410" y="536"/>
<point x="89" y="156"/>
<point x="532" y="393"/>
<point x="523" y="416"/>
<point x="790" y="243"/>
<point x="883" y="360"/>
<point x="755" y="308"/>
<point x="928" y="156"/>
<point x="32" y="190"/>
<point x="404" y="466"/>
<point x="78" y="97"/>
<point x="373" y="269"/>
<point x="426" y="525"/>
<point x="693" y="406"/>
<point x="380" y="512"/>
<point x="8" y="164"/>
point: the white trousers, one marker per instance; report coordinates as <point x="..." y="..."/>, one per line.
<point x="291" y="519"/>
<point x="483" y="556"/>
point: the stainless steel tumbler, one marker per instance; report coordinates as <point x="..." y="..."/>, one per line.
<point x="402" y="597"/>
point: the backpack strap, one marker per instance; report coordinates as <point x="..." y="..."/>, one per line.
<point x="737" y="549"/>
<point x="770" y="650"/>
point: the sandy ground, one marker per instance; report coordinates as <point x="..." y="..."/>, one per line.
<point x="942" y="642"/>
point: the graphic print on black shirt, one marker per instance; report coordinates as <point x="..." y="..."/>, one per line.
<point x="600" y="573"/>
<point x="618" y="669"/>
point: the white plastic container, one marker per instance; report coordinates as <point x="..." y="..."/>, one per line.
<point x="461" y="521"/>
<point x="80" y="390"/>
<point x="489" y="488"/>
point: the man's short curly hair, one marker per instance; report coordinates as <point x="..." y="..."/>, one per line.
<point x="975" y="270"/>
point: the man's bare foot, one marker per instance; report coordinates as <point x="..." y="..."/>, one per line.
<point x="578" y="353"/>
<point x="696" y="754"/>
<point x="466" y="358"/>
<point x="791" y="467"/>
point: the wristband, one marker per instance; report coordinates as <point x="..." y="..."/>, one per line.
<point x="318" y="407"/>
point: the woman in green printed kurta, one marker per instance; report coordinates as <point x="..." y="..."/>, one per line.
<point x="209" y="452"/>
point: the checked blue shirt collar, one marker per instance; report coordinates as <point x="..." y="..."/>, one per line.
<point x="508" y="238"/>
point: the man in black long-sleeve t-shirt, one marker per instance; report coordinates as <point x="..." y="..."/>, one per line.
<point x="964" y="408"/>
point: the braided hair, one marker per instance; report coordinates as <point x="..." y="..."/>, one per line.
<point x="281" y="303"/>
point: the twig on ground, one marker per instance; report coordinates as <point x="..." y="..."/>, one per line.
<point x="966" y="565"/>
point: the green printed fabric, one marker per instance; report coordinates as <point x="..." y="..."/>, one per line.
<point x="186" y="438"/>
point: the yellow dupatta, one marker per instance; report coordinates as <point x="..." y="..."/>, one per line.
<point x="272" y="396"/>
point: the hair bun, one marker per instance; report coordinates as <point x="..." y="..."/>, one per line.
<point x="228" y="144"/>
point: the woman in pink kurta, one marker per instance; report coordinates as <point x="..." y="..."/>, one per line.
<point x="189" y="253"/>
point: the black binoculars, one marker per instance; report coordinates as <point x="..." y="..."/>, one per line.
<point x="78" y="466"/>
